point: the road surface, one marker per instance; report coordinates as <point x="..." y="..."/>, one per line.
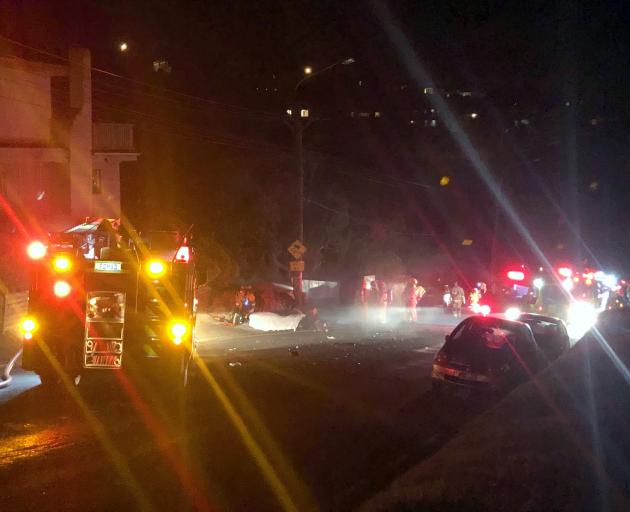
<point x="293" y="421"/>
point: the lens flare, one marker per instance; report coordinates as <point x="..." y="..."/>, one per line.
<point x="62" y="264"/>
<point x="62" y="289"/>
<point x="512" y="313"/>
<point x="156" y="268"/>
<point x="36" y="250"/>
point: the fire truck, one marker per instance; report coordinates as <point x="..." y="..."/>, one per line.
<point x="104" y="298"/>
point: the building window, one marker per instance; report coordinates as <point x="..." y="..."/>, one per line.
<point x="377" y="114"/>
<point x="96" y="181"/>
<point x="428" y="90"/>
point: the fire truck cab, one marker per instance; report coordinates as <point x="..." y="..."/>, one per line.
<point x="105" y="299"/>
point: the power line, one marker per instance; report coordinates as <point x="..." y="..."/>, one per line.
<point x="105" y="72"/>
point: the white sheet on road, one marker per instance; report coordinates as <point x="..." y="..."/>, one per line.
<point x="274" y="322"/>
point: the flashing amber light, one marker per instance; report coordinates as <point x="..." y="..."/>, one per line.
<point x="156" y="268"/>
<point x="183" y="254"/>
<point x="565" y="271"/>
<point x="36" y="250"/>
<point x="62" y="289"/>
<point x="29" y="325"/>
<point x="177" y="331"/>
<point x="62" y="264"/>
<point x="516" y="275"/>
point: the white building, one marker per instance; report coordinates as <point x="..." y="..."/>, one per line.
<point x="56" y="165"/>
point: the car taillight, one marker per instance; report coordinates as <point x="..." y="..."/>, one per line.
<point x="62" y="289"/>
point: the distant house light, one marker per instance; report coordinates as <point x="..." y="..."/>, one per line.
<point x="473" y="115"/>
<point x="412" y="122"/>
<point x="428" y="90"/>
<point x="161" y="65"/>
<point x="465" y="93"/>
<point x="365" y="114"/>
<point x="433" y="123"/>
<point x="525" y="122"/>
<point x="377" y="114"/>
<point x="304" y="112"/>
<point x="289" y="112"/>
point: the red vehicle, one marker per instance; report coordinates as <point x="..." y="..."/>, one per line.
<point x="105" y="300"/>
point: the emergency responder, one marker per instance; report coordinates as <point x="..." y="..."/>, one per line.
<point x="237" y="315"/>
<point x="475" y="297"/>
<point x="248" y="304"/>
<point x="364" y="298"/>
<point x="458" y="299"/>
<point x="447" y="296"/>
<point x="385" y="296"/>
<point x="411" y="295"/>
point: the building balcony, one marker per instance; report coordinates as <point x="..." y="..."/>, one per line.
<point x="112" y="138"/>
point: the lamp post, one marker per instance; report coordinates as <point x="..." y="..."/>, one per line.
<point x="297" y="124"/>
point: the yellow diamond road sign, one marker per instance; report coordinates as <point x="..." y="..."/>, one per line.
<point x="297" y="249"/>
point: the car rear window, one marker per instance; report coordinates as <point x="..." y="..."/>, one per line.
<point x="543" y="328"/>
<point x="493" y="331"/>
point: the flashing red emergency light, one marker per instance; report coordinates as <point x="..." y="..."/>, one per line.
<point x="565" y="271"/>
<point x="183" y="254"/>
<point x="516" y="275"/>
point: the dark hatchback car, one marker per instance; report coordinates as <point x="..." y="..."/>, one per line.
<point x="487" y="353"/>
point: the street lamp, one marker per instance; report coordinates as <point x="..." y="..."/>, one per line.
<point x="308" y="70"/>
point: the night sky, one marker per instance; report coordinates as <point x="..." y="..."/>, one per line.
<point x="561" y="65"/>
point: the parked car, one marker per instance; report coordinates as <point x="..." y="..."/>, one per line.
<point x="549" y="332"/>
<point x="488" y="353"/>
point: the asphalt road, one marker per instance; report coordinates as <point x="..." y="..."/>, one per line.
<point x="295" y="421"/>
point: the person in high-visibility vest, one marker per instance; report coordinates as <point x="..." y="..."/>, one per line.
<point x="411" y="295"/>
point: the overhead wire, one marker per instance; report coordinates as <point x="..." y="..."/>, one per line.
<point x="105" y="72"/>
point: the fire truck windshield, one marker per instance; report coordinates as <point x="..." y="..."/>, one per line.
<point x="163" y="240"/>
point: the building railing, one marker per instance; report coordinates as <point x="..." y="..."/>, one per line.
<point x="114" y="137"/>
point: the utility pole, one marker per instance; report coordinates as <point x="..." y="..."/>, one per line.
<point x="297" y="126"/>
